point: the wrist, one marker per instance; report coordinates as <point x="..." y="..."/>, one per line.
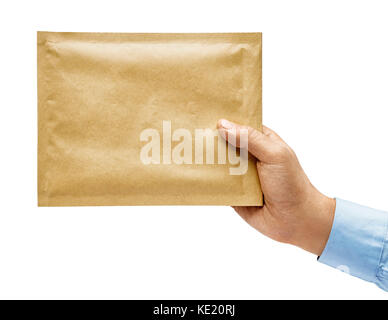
<point x="318" y="215"/>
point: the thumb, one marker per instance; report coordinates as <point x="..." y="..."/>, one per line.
<point x="259" y="145"/>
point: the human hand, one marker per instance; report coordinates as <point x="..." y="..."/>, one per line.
<point x="294" y="211"/>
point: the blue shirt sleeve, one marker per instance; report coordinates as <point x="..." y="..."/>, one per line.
<point x="358" y="243"/>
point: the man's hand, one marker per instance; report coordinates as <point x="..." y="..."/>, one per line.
<point x="294" y="212"/>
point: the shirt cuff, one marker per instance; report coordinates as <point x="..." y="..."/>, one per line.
<point x="356" y="240"/>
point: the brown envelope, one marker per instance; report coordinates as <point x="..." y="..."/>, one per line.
<point x="97" y="94"/>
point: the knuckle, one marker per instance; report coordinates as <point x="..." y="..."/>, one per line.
<point x="252" y="133"/>
<point x="254" y="136"/>
<point x="282" y="153"/>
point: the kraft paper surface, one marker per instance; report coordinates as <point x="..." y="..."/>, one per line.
<point x="97" y="92"/>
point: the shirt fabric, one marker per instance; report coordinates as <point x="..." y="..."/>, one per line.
<point x="358" y="243"/>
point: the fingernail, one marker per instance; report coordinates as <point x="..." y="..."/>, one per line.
<point x="226" y="124"/>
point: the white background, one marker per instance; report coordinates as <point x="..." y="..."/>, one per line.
<point x="325" y="92"/>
